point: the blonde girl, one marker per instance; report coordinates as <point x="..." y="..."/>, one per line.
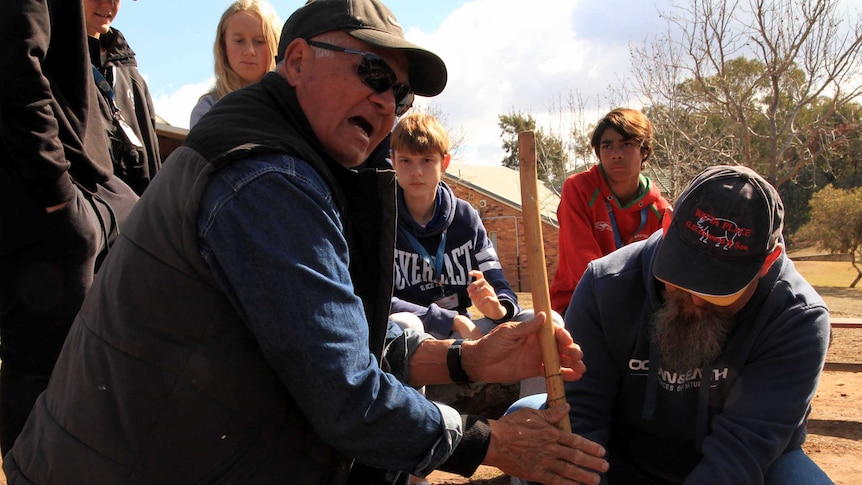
<point x="244" y="50"/>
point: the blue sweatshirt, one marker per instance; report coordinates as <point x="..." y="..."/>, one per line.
<point x="724" y="423"/>
<point x="465" y="247"/>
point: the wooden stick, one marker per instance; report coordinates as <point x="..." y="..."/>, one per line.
<point x="538" y="271"/>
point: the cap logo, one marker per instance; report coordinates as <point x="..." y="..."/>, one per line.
<point x="718" y="231"/>
<point x="725" y="224"/>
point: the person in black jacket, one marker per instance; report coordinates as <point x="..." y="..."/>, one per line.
<point x="60" y="205"/>
<point x="130" y="117"/>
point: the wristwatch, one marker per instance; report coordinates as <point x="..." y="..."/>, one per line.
<point x="453" y="361"/>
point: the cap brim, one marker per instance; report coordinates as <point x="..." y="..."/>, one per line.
<point x="427" y="74"/>
<point x="715" y="280"/>
<point x="726" y="300"/>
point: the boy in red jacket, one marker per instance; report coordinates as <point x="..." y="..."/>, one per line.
<point x="610" y="205"/>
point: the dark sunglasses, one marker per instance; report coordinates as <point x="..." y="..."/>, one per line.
<point x="377" y="75"/>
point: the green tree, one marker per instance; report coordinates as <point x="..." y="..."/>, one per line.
<point x="551" y="154"/>
<point x="840" y="162"/>
<point x="836" y="224"/>
<point x="510" y="125"/>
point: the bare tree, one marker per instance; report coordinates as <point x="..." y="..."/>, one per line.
<point x="457" y="137"/>
<point x="684" y="143"/>
<point x="573" y="121"/>
<point x="734" y="79"/>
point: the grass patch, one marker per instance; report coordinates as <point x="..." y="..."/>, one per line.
<point x="827" y="273"/>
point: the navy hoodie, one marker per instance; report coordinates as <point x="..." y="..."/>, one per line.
<point x="723" y="423"/>
<point x="466" y="248"/>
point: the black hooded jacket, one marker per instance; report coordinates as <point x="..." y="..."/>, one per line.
<point x="50" y="129"/>
<point x="135" y="165"/>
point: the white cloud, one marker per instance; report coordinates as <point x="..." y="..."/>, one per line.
<point x="176" y="107"/>
<point x="503" y="55"/>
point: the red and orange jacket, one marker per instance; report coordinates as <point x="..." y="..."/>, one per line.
<point x="593" y="224"/>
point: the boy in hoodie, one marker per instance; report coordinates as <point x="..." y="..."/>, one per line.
<point x="707" y="372"/>
<point x="444" y="261"/>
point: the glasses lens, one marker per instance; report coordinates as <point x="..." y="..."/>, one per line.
<point x="403" y="98"/>
<point x="377" y="75"/>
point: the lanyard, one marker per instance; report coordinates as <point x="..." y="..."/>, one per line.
<point x="436" y="264"/>
<point x="105" y="87"/>
<point x="108" y="91"/>
<point x="617" y="238"/>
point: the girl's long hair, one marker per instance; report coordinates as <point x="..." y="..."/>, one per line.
<point x="226" y="80"/>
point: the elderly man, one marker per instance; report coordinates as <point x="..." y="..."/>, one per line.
<point x="707" y="371"/>
<point x="238" y="330"/>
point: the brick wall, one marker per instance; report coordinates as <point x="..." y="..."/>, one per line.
<point x="508" y="224"/>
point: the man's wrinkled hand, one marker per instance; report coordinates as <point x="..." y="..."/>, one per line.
<point x="511" y="352"/>
<point x="527" y="444"/>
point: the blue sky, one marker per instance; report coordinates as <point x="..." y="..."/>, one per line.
<point x="175" y="48"/>
<point x="502" y="55"/>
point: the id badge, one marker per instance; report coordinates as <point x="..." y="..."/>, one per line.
<point x="130" y="133"/>
<point x="448" y="302"/>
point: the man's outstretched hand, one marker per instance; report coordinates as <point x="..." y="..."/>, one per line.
<point x="511" y="352"/>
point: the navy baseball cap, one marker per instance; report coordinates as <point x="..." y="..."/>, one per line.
<point x="725" y="224"/>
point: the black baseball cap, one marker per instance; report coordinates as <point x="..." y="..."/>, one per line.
<point x="372" y="22"/>
<point x="725" y="224"/>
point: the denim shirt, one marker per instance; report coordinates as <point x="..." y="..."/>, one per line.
<point x="271" y="233"/>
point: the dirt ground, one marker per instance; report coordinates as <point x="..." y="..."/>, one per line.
<point x="835" y="425"/>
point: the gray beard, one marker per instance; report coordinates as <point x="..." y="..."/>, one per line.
<point x="686" y="337"/>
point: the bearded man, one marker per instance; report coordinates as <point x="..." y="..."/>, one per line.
<point x="703" y="345"/>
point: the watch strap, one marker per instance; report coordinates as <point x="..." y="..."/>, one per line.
<point x="453" y="361"/>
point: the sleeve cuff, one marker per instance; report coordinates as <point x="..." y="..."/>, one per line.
<point x="511" y="310"/>
<point x="438" y="321"/>
<point x="470" y="452"/>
